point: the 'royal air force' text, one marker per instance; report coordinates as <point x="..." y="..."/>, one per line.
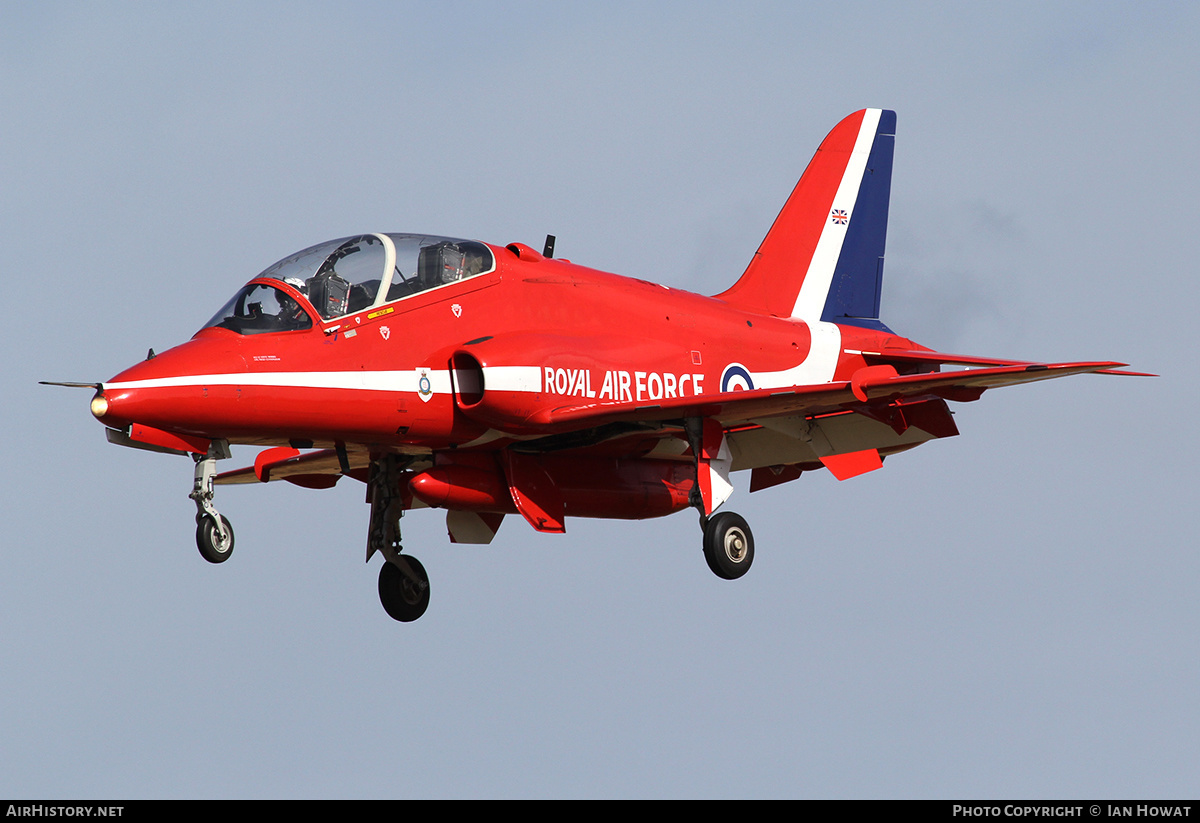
<point x="621" y="386"/>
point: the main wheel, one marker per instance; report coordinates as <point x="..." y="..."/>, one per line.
<point x="212" y="547"/>
<point x="403" y="599"/>
<point x="728" y="545"/>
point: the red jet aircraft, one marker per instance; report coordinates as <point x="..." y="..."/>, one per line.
<point x="492" y="380"/>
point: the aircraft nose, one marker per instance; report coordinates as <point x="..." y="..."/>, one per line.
<point x="167" y="391"/>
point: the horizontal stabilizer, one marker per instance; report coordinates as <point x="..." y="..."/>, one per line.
<point x="942" y="358"/>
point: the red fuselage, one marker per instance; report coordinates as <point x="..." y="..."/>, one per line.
<point x="546" y="333"/>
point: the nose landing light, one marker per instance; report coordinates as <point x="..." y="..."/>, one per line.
<point x="99" y="406"/>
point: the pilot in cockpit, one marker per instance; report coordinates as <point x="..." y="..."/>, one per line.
<point x="291" y="315"/>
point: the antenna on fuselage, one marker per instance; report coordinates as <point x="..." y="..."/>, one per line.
<point x="548" y="250"/>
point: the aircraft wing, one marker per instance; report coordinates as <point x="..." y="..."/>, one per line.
<point x="869" y="385"/>
<point x="315" y="470"/>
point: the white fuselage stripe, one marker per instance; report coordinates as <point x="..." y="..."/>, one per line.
<point x="500" y="378"/>
<point x="818" y="367"/>
<point x="512" y="378"/>
<point x="363" y="380"/>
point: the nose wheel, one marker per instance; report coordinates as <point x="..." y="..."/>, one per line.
<point x="404" y="592"/>
<point x="215" y="540"/>
<point x="728" y="545"/>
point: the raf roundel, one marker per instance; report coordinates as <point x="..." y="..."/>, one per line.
<point x="736" y="378"/>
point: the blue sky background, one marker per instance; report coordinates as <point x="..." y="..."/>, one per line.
<point x="1010" y="613"/>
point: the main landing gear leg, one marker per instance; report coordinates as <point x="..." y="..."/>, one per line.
<point x="403" y="582"/>
<point x="728" y="543"/>
<point x="214" y="535"/>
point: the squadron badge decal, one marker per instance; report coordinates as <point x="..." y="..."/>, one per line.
<point x="424" y="385"/>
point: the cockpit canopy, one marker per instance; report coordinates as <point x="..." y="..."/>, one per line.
<point x="351" y="274"/>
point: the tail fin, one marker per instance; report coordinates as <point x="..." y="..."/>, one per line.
<point x="823" y="257"/>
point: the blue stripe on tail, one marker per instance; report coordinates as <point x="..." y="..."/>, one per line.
<point x="858" y="277"/>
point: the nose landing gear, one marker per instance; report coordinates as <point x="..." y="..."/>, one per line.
<point x="214" y="535"/>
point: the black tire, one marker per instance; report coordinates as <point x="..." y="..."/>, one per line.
<point x="208" y="539"/>
<point x="402" y="599"/>
<point x="728" y="545"/>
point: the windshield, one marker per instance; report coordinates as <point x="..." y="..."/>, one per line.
<point x="259" y="308"/>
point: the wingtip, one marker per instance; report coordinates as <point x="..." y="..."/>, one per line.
<point x="1126" y="373"/>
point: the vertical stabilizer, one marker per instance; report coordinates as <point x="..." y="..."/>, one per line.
<point x="823" y="257"/>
